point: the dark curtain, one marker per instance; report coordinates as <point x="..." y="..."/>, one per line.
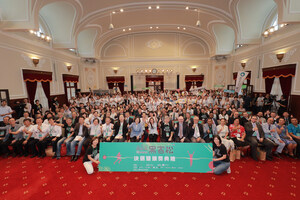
<point x="162" y="85"/>
<point x="199" y="83"/>
<point x="188" y="85"/>
<point x="121" y="87"/>
<point x="31" y="89"/>
<point x="147" y="84"/>
<point x="286" y="85"/>
<point x="110" y="86"/>
<point x="269" y="82"/>
<point x="46" y="88"/>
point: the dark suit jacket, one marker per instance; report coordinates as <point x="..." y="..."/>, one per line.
<point x="185" y="130"/>
<point x="192" y="130"/>
<point x="85" y="130"/>
<point x="130" y="120"/>
<point x="117" y="127"/>
<point x="249" y="129"/>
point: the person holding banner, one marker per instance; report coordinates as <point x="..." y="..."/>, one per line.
<point x="196" y="131"/>
<point x="221" y="159"/>
<point x="120" y="130"/>
<point x="181" y="131"/>
<point x="91" y="156"/>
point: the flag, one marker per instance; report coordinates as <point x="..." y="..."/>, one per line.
<point x="241" y="76"/>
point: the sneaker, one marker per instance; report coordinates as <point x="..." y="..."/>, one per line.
<point x="228" y="170"/>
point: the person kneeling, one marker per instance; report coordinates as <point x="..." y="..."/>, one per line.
<point x="221" y="160"/>
<point x="91" y="156"/>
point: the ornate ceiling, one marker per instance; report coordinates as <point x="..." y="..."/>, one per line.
<point x="84" y="24"/>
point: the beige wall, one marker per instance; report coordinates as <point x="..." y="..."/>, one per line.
<point x="147" y="51"/>
<point x="285" y="40"/>
<point x="15" y="55"/>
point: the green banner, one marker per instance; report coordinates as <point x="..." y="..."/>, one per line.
<point x="156" y="157"/>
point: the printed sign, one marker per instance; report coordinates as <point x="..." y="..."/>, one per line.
<point x="156" y="157"/>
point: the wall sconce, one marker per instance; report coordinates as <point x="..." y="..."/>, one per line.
<point x="35" y="61"/>
<point x="243" y="64"/>
<point x="115" y="69"/>
<point x="194" y="68"/>
<point x="69" y="67"/>
<point x="280" y="56"/>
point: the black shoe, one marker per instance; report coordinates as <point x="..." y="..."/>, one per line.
<point x="33" y="156"/>
<point x="57" y="158"/>
<point x="269" y="158"/>
<point x="76" y="158"/>
<point x="72" y="159"/>
<point x="20" y="155"/>
<point x="277" y="155"/>
<point x="14" y="155"/>
<point x="53" y="157"/>
<point x="43" y="156"/>
<point x="5" y="155"/>
<point x="25" y="155"/>
<point x="39" y="156"/>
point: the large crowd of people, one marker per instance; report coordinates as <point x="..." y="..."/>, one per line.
<point x="227" y="120"/>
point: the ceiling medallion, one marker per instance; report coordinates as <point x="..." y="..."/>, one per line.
<point x="154" y="44"/>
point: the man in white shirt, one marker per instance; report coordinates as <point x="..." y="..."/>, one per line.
<point x="5" y="110"/>
<point x="28" y="106"/>
<point x="25" y="138"/>
<point x="107" y="130"/>
<point x="40" y="132"/>
<point x="55" y="134"/>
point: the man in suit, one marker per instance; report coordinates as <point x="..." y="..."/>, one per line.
<point x="128" y="119"/>
<point x="81" y="132"/>
<point x="255" y="135"/>
<point x="120" y="130"/>
<point x="181" y="131"/>
<point x="271" y="134"/>
<point x="210" y="129"/>
<point x="196" y="133"/>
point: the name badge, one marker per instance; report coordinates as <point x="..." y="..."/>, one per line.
<point x="298" y="134"/>
<point x="238" y="135"/>
<point x="26" y="136"/>
<point x="68" y="134"/>
<point x="167" y="134"/>
<point x="210" y="135"/>
<point x="40" y="135"/>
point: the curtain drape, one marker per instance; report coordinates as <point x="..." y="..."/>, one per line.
<point x="162" y="85"/>
<point x="199" y="84"/>
<point x="276" y="89"/>
<point x="269" y="83"/>
<point x="40" y="95"/>
<point x="110" y="86"/>
<point x="31" y="89"/>
<point x="188" y="86"/>
<point x="286" y="85"/>
<point x="46" y="88"/>
<point x="121" y="87"/>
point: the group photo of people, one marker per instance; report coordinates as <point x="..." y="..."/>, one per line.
<point x="231" y="122"/>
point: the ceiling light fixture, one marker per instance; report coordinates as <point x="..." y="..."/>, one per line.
<point x="114" y="12"/>
<point x="178" y="27"/>
<point x="124" y="30"/>
<point x="151" y="27"/>
<point x="111" y="26"/>
<point x="157" y="27"/>
<point x="121" y="10"/>
<point x="187" y="8"/>
<point x="157" y="7"/>
<point x="198" y="23"/>
<point x="129" y="29"/>
<point x="184" y="28"/>
<point x="149" y="7"/>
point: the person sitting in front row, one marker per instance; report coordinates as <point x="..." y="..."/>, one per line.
<point x="91" y="156"/>
<point x="272" y="135"/>
<point x="221" y="160"/>
<point x="136" y="130"/>
<point x="210" y="129"/>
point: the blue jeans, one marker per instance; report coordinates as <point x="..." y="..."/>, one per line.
<point x="68" y="144"/>
<point x="73" y="145"/>
<point x="220" y="166"/>
<point x="59" y="143"/>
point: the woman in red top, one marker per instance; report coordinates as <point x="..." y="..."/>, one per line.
<point x="237" y="134"/>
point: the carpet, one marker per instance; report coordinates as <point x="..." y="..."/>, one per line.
<point x="27" y="178"/>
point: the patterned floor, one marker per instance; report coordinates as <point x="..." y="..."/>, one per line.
<point x="26" y="178"/>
